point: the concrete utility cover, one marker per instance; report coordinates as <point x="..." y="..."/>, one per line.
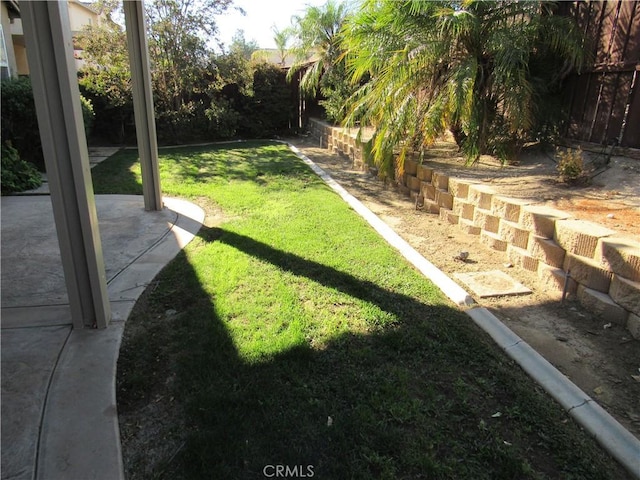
<point x="492" y="284"/>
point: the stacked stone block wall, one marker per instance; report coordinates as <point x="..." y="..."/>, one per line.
<point x="599" y="267"/>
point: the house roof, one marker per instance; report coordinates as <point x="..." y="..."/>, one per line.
<point x="84" y="5"/>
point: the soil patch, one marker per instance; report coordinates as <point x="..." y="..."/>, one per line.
<point x="598" y="357"/>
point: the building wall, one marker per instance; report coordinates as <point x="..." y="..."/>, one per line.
<point x="17" y="37"/>
<point x="6" y="33"/>
<point x="80" y="15"/>
<point x="21" y="59"/>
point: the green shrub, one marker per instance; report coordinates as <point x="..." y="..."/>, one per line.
<point x="88" y="115"/>
<point x="271" y="109"/>
<point x="223" y="118"/>
<point x="19" y="121"/>
<point x="184" y="123"/>
<point x="336" y="90"/>
<point x="16" y="174"/>
<point x="571" y="166"/>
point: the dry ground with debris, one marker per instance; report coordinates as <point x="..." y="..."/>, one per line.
<point x="600" y="360"/>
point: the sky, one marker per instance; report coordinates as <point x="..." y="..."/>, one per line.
<point x="261" y="16"/>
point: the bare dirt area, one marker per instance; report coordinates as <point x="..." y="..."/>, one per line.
<point x="600" y="358"/>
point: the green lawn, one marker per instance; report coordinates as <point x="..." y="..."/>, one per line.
<point x="288" y="333"/>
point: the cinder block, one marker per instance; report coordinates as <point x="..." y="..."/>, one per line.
<point x="626" y="293"/>
<point x="492" y="240"/>
<point x="448" y="216"/>
<point x="424" y="173"/>
<point x="540" y="219"/>
<point x="444" y="199"/>
<point x="428" y="191"/>
<point x="633" y="325"/>
<point x="552" y="280"/>
<point x="463" y="208"/>
<point x="546" y="250"/>
<point x="587" y="272"/>
<point x="467" y="226"/>
<point x="512" y="233"/>
<point x="431" y="206"/>
<point x="413" y="183"/>
<point x="507" y="208"/>
<point x="602" y="305"/>
<point x="459" y="188"/>
<point x="480" y="196"/>
<point x="620" y="255"/>
<point x="410" y="167"/>
<point x="579" y="236"/>
<point x="520" y="257"/>
<point x="486" y="220"/>
<point x="440" y="180"/>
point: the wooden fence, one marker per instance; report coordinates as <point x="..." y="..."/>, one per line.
<point x="604" y="101"/>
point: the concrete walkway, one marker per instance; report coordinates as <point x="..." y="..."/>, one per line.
<point x="59" y="418"/>
<point x="96" y="155"/>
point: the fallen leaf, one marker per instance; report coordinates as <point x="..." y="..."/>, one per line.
<point x="598" y="390"/>
<point x="496" y="415"/>
<point x="329" y="421"/>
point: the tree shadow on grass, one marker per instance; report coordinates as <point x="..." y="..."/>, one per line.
<point x="120" y="174"/>
<point x="412" y="399"/>
<point x="115" y="175"/>
<point x="246" y="161"/>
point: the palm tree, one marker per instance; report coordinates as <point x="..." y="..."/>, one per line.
<point x="281" y="39"/>
<point x="317" y="44"/>
<point x="480" y="68"/>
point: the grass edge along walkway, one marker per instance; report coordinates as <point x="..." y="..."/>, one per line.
<point x="262" y="344"/>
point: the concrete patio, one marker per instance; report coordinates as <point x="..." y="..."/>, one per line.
<point x="59" y="416"/>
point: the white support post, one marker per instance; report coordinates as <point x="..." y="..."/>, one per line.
<point x="143" y="103"/>
<point x="57" y="98"/>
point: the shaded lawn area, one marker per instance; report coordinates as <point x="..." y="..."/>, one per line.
<point x="289" y="333"/>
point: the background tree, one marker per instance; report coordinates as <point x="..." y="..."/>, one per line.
<point x="198" y="94"/>
<point x="105" y="77"/>
<point x="482" y="68"/>
<point x="179" y="31"/>
<point x="319" y="55"/>
<point x="281" y="38"/>
<point x="232" y="89"/>
<point x="241" y="46"/>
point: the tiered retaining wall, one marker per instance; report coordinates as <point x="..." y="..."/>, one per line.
<point x="604" y="268"/>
